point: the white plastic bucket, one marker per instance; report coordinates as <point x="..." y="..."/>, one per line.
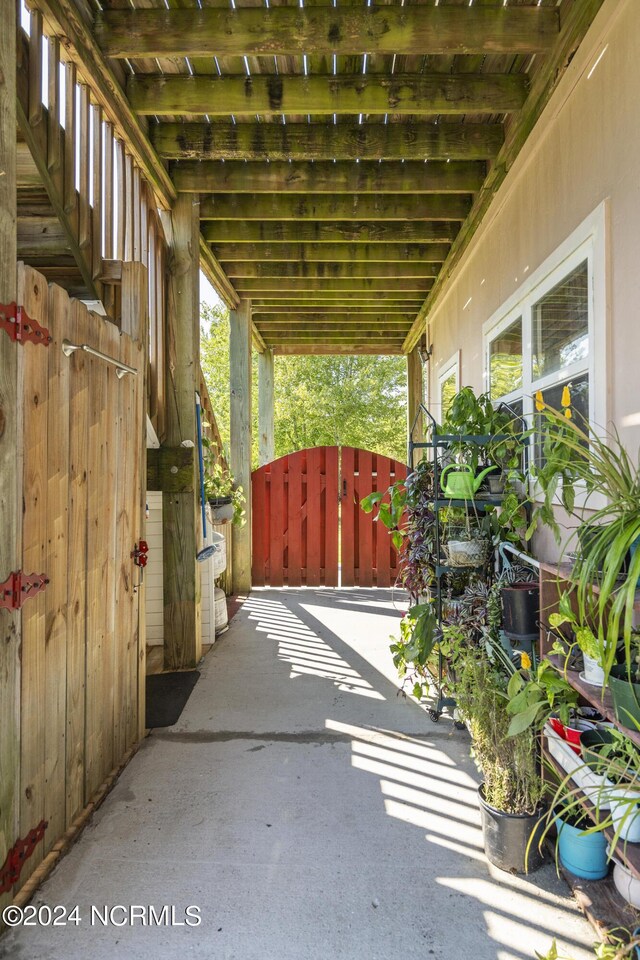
<point x="221" y="615"/>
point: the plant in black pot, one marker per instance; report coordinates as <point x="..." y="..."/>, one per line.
<point x="512" y="789"/>
<point x="225" y="499"/>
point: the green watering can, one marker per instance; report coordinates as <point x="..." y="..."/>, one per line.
<point x="462" y="484"/>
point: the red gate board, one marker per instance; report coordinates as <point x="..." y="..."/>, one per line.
<point x="295" y="520"/>
<point x="368" y="557"/>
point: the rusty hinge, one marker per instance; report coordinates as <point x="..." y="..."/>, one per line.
<point x="19" y="587"/>
<point x="20" y="327"/>
<point x="18" y="855"/>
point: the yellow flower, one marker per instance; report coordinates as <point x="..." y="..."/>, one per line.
<point x="566" y="397"/>
<point x="539" y="401"/>
<point x="525" y="661"/>
<point x="567" y="413"/>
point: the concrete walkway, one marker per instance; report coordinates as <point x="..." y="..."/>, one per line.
<point x="306" y="809"/>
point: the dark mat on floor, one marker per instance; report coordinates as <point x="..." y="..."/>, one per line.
<point x="167" y="694"/>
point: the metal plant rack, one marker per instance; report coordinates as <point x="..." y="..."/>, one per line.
<point x="438" y="443"/>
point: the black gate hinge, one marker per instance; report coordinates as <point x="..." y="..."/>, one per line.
<point x="19" y="587"/>
<point x="20" y="327"/>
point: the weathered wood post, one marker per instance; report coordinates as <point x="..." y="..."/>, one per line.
<point x="180" y="510"/>
<point x="266" y="439"/>
<point x="10" y="444"/>
<point x="415" y="394"/>
<point x="240" y="453"/>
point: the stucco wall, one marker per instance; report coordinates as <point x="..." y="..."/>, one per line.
<point x="585" y="149"/>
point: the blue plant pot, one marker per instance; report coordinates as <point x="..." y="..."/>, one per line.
<point x="584" y="855"/>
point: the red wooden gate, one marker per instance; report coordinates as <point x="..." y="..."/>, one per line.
<point x="297" y="523"/>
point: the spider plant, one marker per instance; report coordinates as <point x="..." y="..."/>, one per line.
<point x="605" y="584"/>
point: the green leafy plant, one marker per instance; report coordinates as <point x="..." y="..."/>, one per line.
<point x="412" y="652"/>
<point x="219" y="484"/>
<point x="534" y="694"/>
<point x="391" y="505"/>
<point x="576" y="456"/>
<point x="585" y="638"/>
<point x="618" y="950"/>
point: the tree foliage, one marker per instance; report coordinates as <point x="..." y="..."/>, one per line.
<point x="357" y="401"/>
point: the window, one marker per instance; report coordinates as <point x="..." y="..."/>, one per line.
<point x="448" y="383"/>
<point x="552" y="332"/>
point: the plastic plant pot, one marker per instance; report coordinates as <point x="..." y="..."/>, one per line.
<point x="625" y="696"/>
<point x="625" y="812"/>
<point x="506" y="837"/>
<point x="520" y="609"/>
<point x="584" y="855"/>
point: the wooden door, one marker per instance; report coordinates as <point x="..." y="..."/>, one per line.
<point x="82" y="687"/>
<point x="295" y="520"/>
<point x="368" y="557"/>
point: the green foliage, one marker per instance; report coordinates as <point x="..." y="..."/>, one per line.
<point x="535" y="695"/>
<point x="618" y="950"/>
<point x="357" y="401"/>
<point x="411" y="653"/>
<point x="391" y="505"/>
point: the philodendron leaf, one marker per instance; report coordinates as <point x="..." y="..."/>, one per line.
<point x="368" y="503"/>
<point x="397" y="538"/>
<point x="516" y="683"/>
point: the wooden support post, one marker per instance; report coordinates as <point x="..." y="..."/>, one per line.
<point x="240" y="454"/>
<point x="266" y="440"/>
<point x="180" y="510"/>
<point x="415" y="395"/>
<point x="10" y="446"/>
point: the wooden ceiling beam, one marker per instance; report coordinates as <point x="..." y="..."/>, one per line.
<point x="380" y="301"/>
<point x="324" y="176"/>
<point x="283" y="286"/>
<point x="236" y="231"/>
<point x="347" y="140"/>
<point x="371" y="94"/>
<point x="335" y="349"/>
<point x="356" y="253"/>
<point x="318" y="207"/>
<point x="320" y="30"/>
<point x="241" y="270"/>
<point x="336" y="314"/>
<point x="323" y="331"/>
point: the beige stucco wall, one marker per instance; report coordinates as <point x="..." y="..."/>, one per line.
<point x="585" y="149"/>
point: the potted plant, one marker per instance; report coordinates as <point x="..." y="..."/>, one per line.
<point x="534" y="694"/>
<point x="520" y="609"/>
<point x="412" y="652"/>
<point x="512" y="790"/>
<point x="225" y="499"/>
<point x="612" y="754"/>
<point x="585" y="639"/>
<point x="574" y="457"/>
<point x="624" y="684"/>
<point x="582" y="850"/>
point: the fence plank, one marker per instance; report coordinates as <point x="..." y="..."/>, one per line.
<point x="278" y="520"/>
<point x="382" y="555"/>
<point x="347" y="521"/>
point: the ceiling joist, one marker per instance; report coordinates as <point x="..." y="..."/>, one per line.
<point x="356" y="253"/>
<point x="282" y="286"/>
<point x="235" y="231"/>
<point x="374" y="95"/>
<point x="241" y="270"/>
<point x="320" y="207"/>
<point x="283" y="31"/>
<point x="327" y="177"/>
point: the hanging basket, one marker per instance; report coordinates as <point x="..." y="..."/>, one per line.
<point x="466" y="553"/>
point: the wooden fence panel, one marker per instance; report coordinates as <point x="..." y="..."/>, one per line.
<point x="83" y="489"/>
<point x="368" y="557"/>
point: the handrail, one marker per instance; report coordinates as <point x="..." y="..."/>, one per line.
<point x="122" y="368"/>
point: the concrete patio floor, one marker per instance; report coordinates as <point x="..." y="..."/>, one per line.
<point x="309" y="811"/>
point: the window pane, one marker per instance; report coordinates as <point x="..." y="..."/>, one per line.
<point x="448" y="390"/>
<point x="561" y="324"/>
<point x="579" y="393"/>
<point x="505" y="361"/>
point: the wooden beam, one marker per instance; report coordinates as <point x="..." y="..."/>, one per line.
<point x="372" y="94"/>
<point x="216" y="275"/>
<point x="436" y="142"/>
<point x="360" y="254"/>
<point x="266" y="408"/>
<point x="11" y="403"/>
<point x="575" y="23"/>
<point x="232" y="231"/>
<point x="326" y="324"/>
<point x="325" y="176"/>
<point x="318" y="206"/>
<point x="415" y="396"/>
<point x="334" y="271"/>
<point x="171" y="469"/>
<point x="289" y="31"/>
<point x="283" y="287"/>
<point x="337" y="311"/>
<point x="345" y="302"/>
<point x="180" y="511"/>
<point x="67" y="20"/>
<point x="240" y="445"/>
<point x="342" y="349"/>
<point x="330" y="335"/>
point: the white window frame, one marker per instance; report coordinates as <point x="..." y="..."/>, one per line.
<point x="588" y="242"/>
<point x="451" y="366"/>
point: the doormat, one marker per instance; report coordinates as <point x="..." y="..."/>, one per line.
<point x="167" y="695"/>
